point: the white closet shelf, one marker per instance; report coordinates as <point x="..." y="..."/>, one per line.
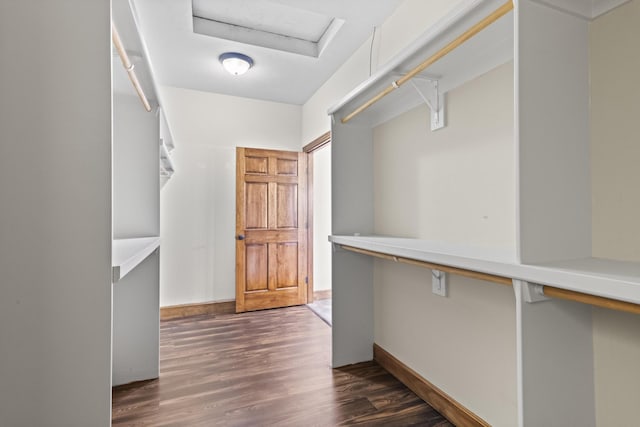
<point x="166" y="138"/>
<point x="165" y="156"/>
<point x="166" y="164"/>
<point x="167" y="143"/>
<point x="128" y="253"/>
<point x="488" y="49"/>
<point x="617" y="280"/>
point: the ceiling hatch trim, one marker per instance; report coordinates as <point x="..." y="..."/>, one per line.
<point x="290" y="29"/>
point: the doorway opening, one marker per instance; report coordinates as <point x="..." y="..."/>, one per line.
<point x="319" y="226"/>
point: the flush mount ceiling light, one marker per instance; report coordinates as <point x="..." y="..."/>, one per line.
<point x="236" y="63"/>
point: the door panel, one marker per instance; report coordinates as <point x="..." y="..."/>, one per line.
<point x="287" y="167"/>
<point x="287" y="214"/>
<point x="257" y="267"/>
<point x="271" y="245"/>
<point x="256" y="165"/>
<point x="257" y="205"/>
<point x="287" y="265"/>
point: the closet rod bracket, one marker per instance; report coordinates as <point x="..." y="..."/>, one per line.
<point x="439" y="283"/>
<point x="532" y="292"/>
<point x="435" y="100"/>
<point x="336" y="247"/>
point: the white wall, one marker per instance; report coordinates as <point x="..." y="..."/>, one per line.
<point x="464" y="344"/>
<point x="55" y="214"/>
<point x="455" y="185"/>
<point x="615" y="66"/>
<point x="322" y="218"/>
<point x="198" y="202"/>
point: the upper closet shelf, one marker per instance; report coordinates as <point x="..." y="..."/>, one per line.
<point x="487" y="49"/>
<point x="166" y="137"/>
<point x="166" y="147"/>
<point x="475" y="37"/>
<point x="166" y="164"/>
<point x="616" y="280"/>
<point x="128" y="253"/>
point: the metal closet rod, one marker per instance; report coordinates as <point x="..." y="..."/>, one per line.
<point x="126" y="63"/>
<point x="490" y="19"/>
<point x="550" y="291"/>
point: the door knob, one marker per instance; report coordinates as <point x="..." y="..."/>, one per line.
<point x="240" y="236"/>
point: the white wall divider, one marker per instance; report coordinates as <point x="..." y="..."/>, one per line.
<point x="352" y="209"/>
<point x="352" y="308"/>
<point x="55" y="219"/>
<point x="136" y="331"/>
<point x="555" y="362"/>
<point x="136" y="217"/>
<point x="552" y="126"/>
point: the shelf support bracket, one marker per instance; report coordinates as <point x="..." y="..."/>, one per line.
<point x="532" y="292"/>
<point x="439" y="283"/>
<point x="434" y="100"/>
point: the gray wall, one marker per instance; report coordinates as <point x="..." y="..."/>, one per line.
<point x="55" y="214"/>
<point x="136" y="183"/>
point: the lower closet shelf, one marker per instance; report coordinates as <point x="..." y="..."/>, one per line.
<point x="128" y="253"/>
<point x="615" y="280"/>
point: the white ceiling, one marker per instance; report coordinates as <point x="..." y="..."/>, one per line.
<point x="296" y="45"/>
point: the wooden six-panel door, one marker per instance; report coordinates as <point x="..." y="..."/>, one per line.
<point x="271" y="235"/>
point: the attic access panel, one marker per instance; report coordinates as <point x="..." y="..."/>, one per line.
<point x="265" y="23"/>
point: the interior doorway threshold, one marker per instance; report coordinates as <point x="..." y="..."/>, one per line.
<point x="322" y="308"/>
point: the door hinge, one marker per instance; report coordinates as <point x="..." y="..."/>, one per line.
<point x="306" y="280"/>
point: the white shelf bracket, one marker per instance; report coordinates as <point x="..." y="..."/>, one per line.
<point x="532" y="292"/>
<point x="435" y="101"/>
<point x="439" y="282"/>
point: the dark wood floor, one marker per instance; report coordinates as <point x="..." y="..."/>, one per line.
<point x="263" y="368"/>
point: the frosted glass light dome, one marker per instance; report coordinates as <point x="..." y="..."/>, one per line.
<point x="236" y="63"/>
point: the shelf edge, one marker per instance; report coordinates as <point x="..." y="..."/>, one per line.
<point x="578" y="281"/>
<point x="145" y="246"/>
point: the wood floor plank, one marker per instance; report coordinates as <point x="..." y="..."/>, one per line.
<point x="263" y="368"/>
